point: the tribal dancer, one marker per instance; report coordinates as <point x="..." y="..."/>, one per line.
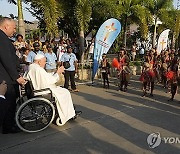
<point x="172" y="76"/>
<point x="148" y="74"/>
<point x="123" y="70"/>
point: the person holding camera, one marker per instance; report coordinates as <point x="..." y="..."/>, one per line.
<point x="69" y="61"/>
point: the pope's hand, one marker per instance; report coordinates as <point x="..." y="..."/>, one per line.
<point x="3" y="88"/>
<point x="21" y="80"/>
<point x="60" y="70"/>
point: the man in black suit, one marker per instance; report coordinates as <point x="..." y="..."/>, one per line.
<point x="9" y="72"/>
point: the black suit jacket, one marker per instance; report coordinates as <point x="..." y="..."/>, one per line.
<point x="8" y="60"/>
<point x="2" y="100"/>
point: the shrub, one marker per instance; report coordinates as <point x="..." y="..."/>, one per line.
<point x="135" y="63"/>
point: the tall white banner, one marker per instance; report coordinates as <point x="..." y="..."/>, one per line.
<point x="162" y="41"/>
<point x="105" y="37"/>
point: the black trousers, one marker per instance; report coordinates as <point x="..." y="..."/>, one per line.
<point x="105" y="78"/>
<point x="9" y="118"/>
<point x="3" y="109"/>
<point x="69" y="75"/>
<point x="173" y="89"/>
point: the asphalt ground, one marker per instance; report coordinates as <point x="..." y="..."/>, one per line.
<point x="112" y="122"/>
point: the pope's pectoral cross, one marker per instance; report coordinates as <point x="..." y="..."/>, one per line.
<point x="110" y="29"/>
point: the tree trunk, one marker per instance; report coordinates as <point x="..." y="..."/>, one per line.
<point x="21" y="26"/>
<point x="177" y="43"/>
<point x="173" y="41"/>
<point x="81" y="44"/>
<point x="154" y="34"/>
<point x="125" y="31"/>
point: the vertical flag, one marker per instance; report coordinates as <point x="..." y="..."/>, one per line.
<point x="162" y="41"/>
<point x="105" y="37"/>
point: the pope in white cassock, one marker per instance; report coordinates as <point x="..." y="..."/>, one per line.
<point x="41" y="79"/>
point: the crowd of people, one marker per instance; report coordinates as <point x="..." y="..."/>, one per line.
<point x="163" y="68"/>
<point x="62" y="53"/>
<point x="44" y="62"/>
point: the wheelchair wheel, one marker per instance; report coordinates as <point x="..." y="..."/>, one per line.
<point x="35" y="115"/>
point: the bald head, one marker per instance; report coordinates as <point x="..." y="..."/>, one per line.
<point x="8" y="26"/>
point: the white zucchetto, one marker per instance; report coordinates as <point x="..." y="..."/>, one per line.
<point x="38" y="57"/>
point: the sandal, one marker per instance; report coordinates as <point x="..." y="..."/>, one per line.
<point x="75" y="90"/>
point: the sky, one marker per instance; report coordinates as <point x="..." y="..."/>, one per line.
<point x="6" y="9"/>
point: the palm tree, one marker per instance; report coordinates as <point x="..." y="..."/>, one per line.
<point x="171" y="20"/>
<point x="83" y="11"/>
<point x="175" y="26"/>
<point x="49" y="11"/>
<point x="21" y="26"/>
<point x="157" y="8"/>
<point x="177" y="29"/>
<point x="133" y="11"/>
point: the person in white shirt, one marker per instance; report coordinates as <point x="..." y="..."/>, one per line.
<point x="50" y="59"/>
<point x="33" y="53"/>
<point x="41" y="79"/>
<point x="91" y="51"/>
<point x="61" y="49"/>
<point x="141" y="52"/>
<point x="133" y="51"/>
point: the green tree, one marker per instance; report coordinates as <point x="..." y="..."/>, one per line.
<point x="21" y="26"/>
<point x="83" y="11"/>
<point x="133" y="11"/>
<point x="176" y="30"/>
<point x="171" y="20"/>
<point x="49" y="11"/>
<point x="157" y="9"/>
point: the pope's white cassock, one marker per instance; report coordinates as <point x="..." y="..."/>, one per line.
<point x="41" y="79"/>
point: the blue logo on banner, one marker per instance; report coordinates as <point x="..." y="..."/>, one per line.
<point x="105" y="37"/>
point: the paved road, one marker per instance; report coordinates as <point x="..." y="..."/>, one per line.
<point x="112" y="122"/>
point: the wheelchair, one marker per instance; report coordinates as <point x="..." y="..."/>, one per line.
<point x="36" y="109"/>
